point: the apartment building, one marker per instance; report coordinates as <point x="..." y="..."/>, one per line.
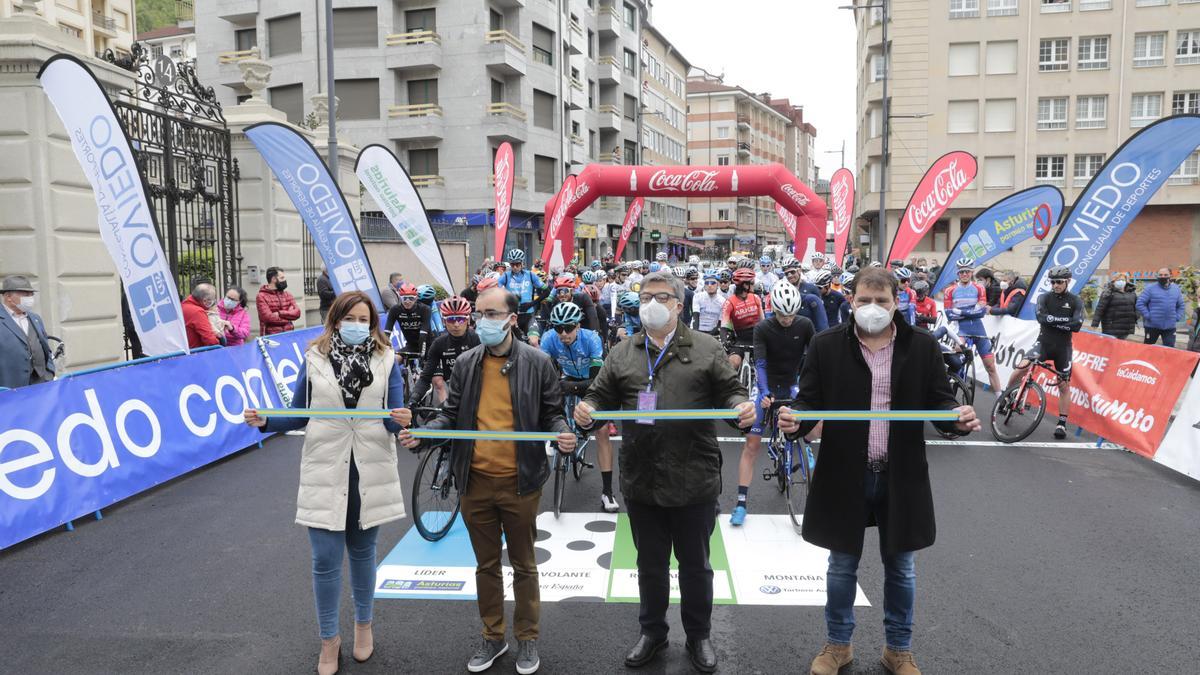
<point x="91" y="26"/>
<point x="1040" y="91"/>
<point x="728" y="125"/>
<point x="444" y="82"/>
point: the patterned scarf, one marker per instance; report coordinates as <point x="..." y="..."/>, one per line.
<point x="351" y="366"/>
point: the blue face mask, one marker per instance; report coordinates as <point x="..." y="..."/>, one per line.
<point x="354" y="333"/>
<point x="491" y="332"/>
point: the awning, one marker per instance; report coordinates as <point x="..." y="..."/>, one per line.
<point x="684" y="242"/>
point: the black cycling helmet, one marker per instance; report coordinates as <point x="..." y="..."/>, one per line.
<point x="1060" y="272"/>
<point x="724" y="275"/>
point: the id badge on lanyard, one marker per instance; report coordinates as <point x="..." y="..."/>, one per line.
<point x="648" y="400"/>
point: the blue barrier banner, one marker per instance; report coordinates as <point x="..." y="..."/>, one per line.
<point x="80" y="444"/>
<point x="306" y="179"/>
<point x="1114" y="197"/>
<point x="999" y="228"/>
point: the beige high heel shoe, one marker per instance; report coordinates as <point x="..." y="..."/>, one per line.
<point x="331" y="656"/>
<point x="364" y="641"/>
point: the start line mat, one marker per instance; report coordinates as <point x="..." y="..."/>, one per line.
<point x="590" y="557"/>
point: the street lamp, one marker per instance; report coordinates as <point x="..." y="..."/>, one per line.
<point x="880" y="230"/>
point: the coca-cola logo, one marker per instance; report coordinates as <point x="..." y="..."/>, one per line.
<point x="945" y="186"/>
<point x="789" y="220"/>
<point x="801" y="200"/>
<point x="694" y="181"/>
<point x="580" y="191"/>
<point x="631" y="219"/>
<point x="839" y="192"/>
<point x="560" y="213"/>
<point x="503" y="181"/>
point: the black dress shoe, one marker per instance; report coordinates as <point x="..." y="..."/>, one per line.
<point x="704" y="657"/>
<point x="644" y="651"/>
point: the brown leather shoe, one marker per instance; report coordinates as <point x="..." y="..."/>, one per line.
<point x="364" y="641"/>
<point x="832" y="659"/>
<point x="899" y="663"/>
<point x="331" y="656"/>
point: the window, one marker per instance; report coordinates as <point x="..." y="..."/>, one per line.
<point x="1187" y="47"/>
<point x="964" y="9"/>
<point x="283" y="35"/>
<point x="631" y="153"/>
<point x="964" y="59"/>
<point x="497" y="91"/>
<point x="543" y="45"/>
<point x="70" y="30"/>
<point x="543" y="109"/>
<point x="1000" y="114"/>
<point x="543" y="173"/>
<point x="592" y="144"/>
<point x="1145" y="109"/>
<point x="1185" y="102"/>
<point x="938" y="239"/>
<point x="423" y="162"/>
<point x="244" y="39"/>
<point x="355" y="27"/>
<point x="1090" y="112"/>
<point x="998" y="172"/>
<point x="630" y="65"/>
<point x="722" y="214"/>
<point x="1093" y="53"/>
<point x="1002" y="7"/>
<point x="1148" y="50"/>
<point x="1002" y="57"/>
<point x="290" y="99"/>
<point x="591" y="50"/>
<point x="1052" y="54"/>
<point x="360" y="99"/>
<point x="873" y="119"/>
<point x="1150" y="3"/>
<point x="722" y="160"/>
<point x="631" y="108"/>
<point x="1053" y="6"/>
<point x="630" y="17"/>
<point x="591" y="94"/>
<point x="1052" y="113"/>
<point x="495" y="20"/>
<point x="425" y="92"/>
<point x="1188" y="173"/>
<point x="722" y="132"/>
<point x="1086" y="166"/>
<point x="1051" y="169"/>
<point x="420" y="19"/>
<point x="963" y="117"/>
<point x="1090" y="5"/>
<point x="875" y="177"/>
<point x="878" y="67"/>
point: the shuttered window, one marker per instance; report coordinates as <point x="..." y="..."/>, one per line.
<point x="358" y="99"/>
<point x="289" y="98"/>
<point x="543" y="173"/>
<point x="543" y="45"/>
<point x="420" y="19"/>
<point x="423" y="91"/>
<point x="423" y="162"/>
<point x="283" y="35"/>
<point x="543" y="109"/>
<point x="355" y="27"/>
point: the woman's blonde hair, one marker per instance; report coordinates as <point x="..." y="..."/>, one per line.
<point x="342" y="305"/>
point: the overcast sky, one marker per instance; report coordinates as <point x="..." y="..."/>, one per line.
<point x="798" y="49"/>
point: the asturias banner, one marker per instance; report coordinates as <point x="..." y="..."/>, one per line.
<point x="841" y="201"/>
<point x="502" y="183"/>
<point x="631" y="220"/>
<point x="126" y="219"/>
<point x="1113" y="198"/>
<point x="1000" y="227"/>
<point x="304" y="177"/>
<point x="560" y="234"/>
<point x="940" y="186"/>
<point x="391" y="188"/>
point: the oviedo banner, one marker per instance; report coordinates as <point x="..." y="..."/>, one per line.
<point x="941" y="185"/>
<point x="126" y="219"/>
<point x="390" y="186"/>
<point x="1114" y="197"/>
<point x="1000" y="227"/>
<point x="632" y="216"/>
<point x="502" y="184"/>
<point x="79" y="444"/>
<point x="560" y="228"/>
<point x="306" y="180"/>
<point x="841" y="198"/>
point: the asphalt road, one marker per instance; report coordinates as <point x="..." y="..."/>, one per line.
<point x="1049" y="559"/>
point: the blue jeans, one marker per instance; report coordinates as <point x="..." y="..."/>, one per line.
<point x="899" y="586"/>
<point x="327" y="547"/>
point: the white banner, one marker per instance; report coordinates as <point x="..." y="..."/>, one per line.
<point x="387" y="181"/>
<point x="126" y="219"/>
<point x="1180" y="449"/>
<point x="1011" y="338"/>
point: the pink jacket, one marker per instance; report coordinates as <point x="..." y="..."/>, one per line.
<point x="240" y="319"/>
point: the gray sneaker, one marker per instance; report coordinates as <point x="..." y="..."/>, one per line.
<point x="527" y="657"/>
<point x="488" y="652"/>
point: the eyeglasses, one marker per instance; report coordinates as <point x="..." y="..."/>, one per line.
<point x="565" y="329"/>
<point x="662" y="298"/>
<point x="491" y="314"/>
<point x="408" y="298"/>
<point x="456" y="319"/>
<point x="1058" y="281"/>
<point x="710" y="283"/>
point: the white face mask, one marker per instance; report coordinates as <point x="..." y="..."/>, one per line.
<point x="654" y="315"/>
<point x="1004" y="285"/>
<point x="27" y="303"/>
<point x="872" y="319"/>
<point x="1119" y="284"/>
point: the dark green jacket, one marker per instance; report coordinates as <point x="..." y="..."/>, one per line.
<point x="669" y="463"/>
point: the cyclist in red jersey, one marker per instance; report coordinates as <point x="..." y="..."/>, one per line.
<point x="741" y="313"/>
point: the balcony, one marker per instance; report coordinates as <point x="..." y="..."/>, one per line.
<point x="576" y="43"/>
<point x="432" y="189"/>
<point x="506" y="122"/>
<point x="608" y="158"/>
<point x="509" y="4"/>
<point x="576" y="96"/>
<point x="235" y="10"/>
<point x="608" y="21"/>
<point x="225" y="58"/>
<point x="610" y="117"/>
<point x="743" y="149"/>
<point x="1055" y="6"/>
<point x="413" y="50"/>
<point x="519" y="183"/>
<point x="743" y="122"/>
<point x="608" y="70"/>
<point x="504" y="53"/>
<point x="104" y="25"/>
<point x="416" y="122"/>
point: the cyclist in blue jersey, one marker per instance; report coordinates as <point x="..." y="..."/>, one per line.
<point x="966" y="303"/>
<point x="906" y="300"/>
<point x="831" y="299"/>
<point x="523" y="284"/>
<point x="630" y="303"/>
<point x="847" y="291"/>
<point x="427" y="296"/>
<point x="579" y="354"/>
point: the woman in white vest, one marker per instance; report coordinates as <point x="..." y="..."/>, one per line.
<point x="349" y="484"/>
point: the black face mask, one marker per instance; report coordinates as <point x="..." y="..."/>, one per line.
<point x="1164" y="281"/>
<point x="281" y="285"/>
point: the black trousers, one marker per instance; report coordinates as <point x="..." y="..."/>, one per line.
<point x="687" y="529"/>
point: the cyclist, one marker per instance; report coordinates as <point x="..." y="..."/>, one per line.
<point x="629" y="304"/>
<point x="743" y="311"/>
<point x="847" y="291"/>
<point x="779" y="346"/>
<point x="925" y="306"/>
<point x="524" y="284"/>
<point x="906" y="300"/>
<point x="707" y="306"/>
<point x="564" y="291"/>
<point x="831" y="299"/>
<point x="766" y="275"/>
<point x="637" y="270"/>
<point x="413" y="320"/>
<point x="966" y="303"/>
<point x="427" y="296"/>
<point x="1059" y="314"/>
<point x="818" y="262"/>
<point x="731" y="263"/>
<point x="723" y="279"/>
<point x="444" y="350"/>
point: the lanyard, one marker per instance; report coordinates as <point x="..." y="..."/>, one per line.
<point x="652" y="368"/>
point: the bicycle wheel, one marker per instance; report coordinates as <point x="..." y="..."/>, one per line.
<point x="962" y="394"/>
<point x="434" y="497"/>
<point x="777" y="450"/>
<point x="970" y="380"/>
<point x="560" y="480"/>
<point x="1018" y="411"/>
<point x="580" y="461"/>
<point x="797" y="483"/>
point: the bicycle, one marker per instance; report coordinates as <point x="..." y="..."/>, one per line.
<point x="964" y="393"/>
<point x="1019" y="410"/>
<point x="435" y="499"/>
<point x="575" y="461"/>
<point x="792" y="462"/>
<point x="746" y="372"/>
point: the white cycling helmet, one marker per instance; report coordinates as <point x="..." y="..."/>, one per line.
<point x="661" y="256"/>
<point x="785" y="299"/>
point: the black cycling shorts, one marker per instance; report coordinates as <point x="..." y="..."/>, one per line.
<point x="1058" y="354"/>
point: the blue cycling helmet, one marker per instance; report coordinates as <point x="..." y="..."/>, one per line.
<point x="566" y="314"/>
<point x="654" y="267"/>
<point x="902" y="273"/>
<point x="847" y="277"/>
<point x="595" y="264"/>
<point x="516" y="255"/>
<point x="588" y="277"/>
<point x="629" y="300"/>
<point x="425" y="292"/>
<point x="765" y="260"/>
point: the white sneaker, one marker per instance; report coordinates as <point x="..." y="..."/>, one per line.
<point x="609" y="503"/>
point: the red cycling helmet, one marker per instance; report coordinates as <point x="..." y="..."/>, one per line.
<point x="593" y="292"/>
<point x="407" y="289"/>
<point x="455" y="306"/>
<point x="564" y="281"/>
<point x="487" y="282"/>
<point x="743" y="275"/>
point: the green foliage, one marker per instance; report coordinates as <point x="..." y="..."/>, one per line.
<point x="440" y="292"/>
<point x="1089" y="294"/>
<point x="195" y="265"/>
<point x="1189" y="280"/>
<point x="154" y="14"/>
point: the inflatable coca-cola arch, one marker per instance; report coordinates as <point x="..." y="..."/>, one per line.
<point x="792" y="197"/>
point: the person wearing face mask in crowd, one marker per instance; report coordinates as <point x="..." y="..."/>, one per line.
<point x="348" y="480"/>
<point x="878" y="474"/>
<point x="232" y="310"/>
<point x="1161" y="306"/>
<point x="391" y="294"/>
<point x="991" y="286"/>
<point x="445" y="350"/>
<point x="1012" y="295"/>
<point x="502" y="385"/>
<point x="25" y="355"/>
<point x="276" y="307"/>
<point x="200" y="332"/>
<point x="1116" y="312"/>
<point x="670" y="469"/>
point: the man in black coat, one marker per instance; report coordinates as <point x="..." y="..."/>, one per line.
<point x="872" y="473"/>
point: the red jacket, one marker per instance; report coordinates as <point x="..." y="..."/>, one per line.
<point x="276" y="310"/>
<point x="926" y="311"/>
<point x="195" y="320"/>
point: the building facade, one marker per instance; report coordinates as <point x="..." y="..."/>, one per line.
<point x="663" y="120"/>
<point x="177" y="43"/>
<point x="1040" y="91"/>
<point x="90" y="27"/>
